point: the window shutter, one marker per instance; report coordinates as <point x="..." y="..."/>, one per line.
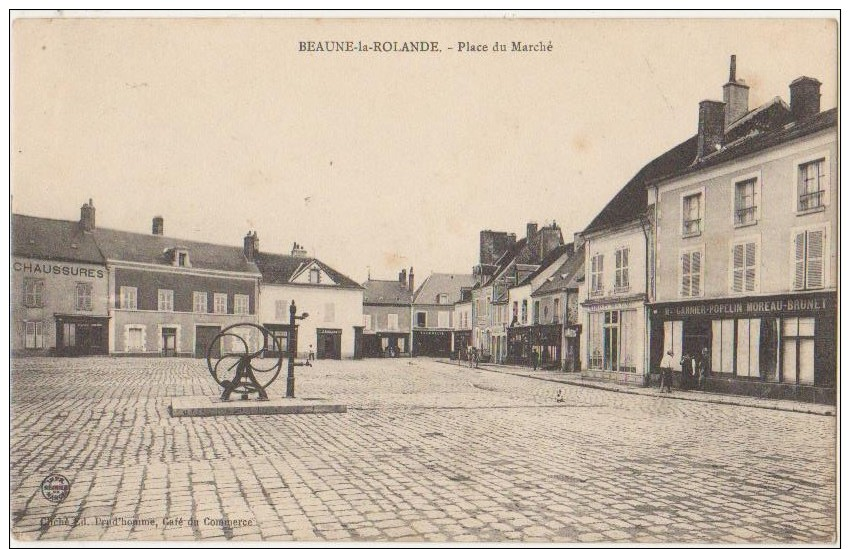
<point x="686" y="274"/>
<point x="737" y="267"/>
<point x="750" y="266"/>
<point x="814" y="259"/>
<point x="800" y="260"/>
<point x="696" y="272"/>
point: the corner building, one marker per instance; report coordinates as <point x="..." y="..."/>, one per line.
<point x="59" y="288"/>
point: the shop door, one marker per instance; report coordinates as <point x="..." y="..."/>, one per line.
<point x="696" y="335"/>
<point x="203" y="337"/>
<point x="329" y="345"/>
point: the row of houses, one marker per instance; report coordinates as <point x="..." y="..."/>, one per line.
<point x="80" y="289"/>
<point x="725" y="245"/>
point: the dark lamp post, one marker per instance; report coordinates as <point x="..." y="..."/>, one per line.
<point x="293" y="348"/>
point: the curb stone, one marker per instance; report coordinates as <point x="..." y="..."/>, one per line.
<point x="773" y="405"/>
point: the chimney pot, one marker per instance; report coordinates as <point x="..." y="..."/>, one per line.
<point x="736" y="95"/>
<point x="158" y="225"/>
<point x="402" y="277"/>
<point x="530" y="230"/>
<point x="410" y="280"/>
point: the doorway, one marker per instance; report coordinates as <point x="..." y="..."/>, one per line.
<point x="328" y="344"/>
<point x="204" y="335"/>
<point x="696" y="335"/>
<point x="169" y="342"/>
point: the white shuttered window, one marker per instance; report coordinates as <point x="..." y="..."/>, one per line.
<point x="809" y="255"/>
<point x="745" y="267"/>
<point x="691" y="269"/>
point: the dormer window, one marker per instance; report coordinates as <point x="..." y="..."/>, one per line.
<point x="443" y="299"/>
<point x="180" y="257"/>
<point x="315" y="275"/>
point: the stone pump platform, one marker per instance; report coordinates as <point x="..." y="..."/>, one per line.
<point x="205" y="406"/>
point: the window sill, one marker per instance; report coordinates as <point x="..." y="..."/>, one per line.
<point x="747" y="224"/>
<point x="692" y="235"/>
<point x="811" y="211"/>
<point x="622" y="289"/>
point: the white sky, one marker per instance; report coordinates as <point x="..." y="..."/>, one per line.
<point x="383" y="160"/>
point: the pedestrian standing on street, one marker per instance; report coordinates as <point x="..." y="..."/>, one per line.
<point x="687" y="371"/>
<point x="667" y="372"/>
<point x="704" y="368"/>
<point x="535" y="359"/>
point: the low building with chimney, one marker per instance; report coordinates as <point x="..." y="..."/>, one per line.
<point x="171" y="296"/>
<point x="333" y="301"/>
<point x="432" y="312"/>
<point x="746" y="245"/>
<point x="386" y="315"/>
<point x="59" y="287"/>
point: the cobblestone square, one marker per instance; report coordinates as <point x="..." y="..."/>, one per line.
<point x="427" y="452"/>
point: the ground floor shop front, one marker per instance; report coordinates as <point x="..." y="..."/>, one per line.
<point x="616" y="337"/>
<point x="386" y="344"/>
<point x="781" y="346"/>
<point x="537" y="344"/>
<point x="434" y="343"/>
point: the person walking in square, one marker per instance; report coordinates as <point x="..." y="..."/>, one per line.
<point x="667" y="372"/>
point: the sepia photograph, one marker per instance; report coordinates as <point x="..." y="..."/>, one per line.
<point x="502" y="277"/>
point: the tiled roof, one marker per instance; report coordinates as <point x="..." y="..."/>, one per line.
<point x="151" y="249"/>
<point x="279" y="268"/>
<point x="553" y="256"/>
<point x="566" y="277"/>
<point x="757" y="141"/>
<point x="52" y="239"/>
<point x="630" y="203"/>
<point x="442" y="283"/>
<point x="386" y="292"/>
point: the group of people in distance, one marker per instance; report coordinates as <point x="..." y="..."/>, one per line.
<point x="696" y="368"/>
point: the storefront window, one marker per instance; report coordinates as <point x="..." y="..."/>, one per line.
<point x="722" y="346"/>
<point x="749" y="339"/>
<point x="595" y="341"/>
<point x="798" y="350"/>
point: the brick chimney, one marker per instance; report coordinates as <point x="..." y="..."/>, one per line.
<point x="550" y="238"/>
<point x="736" y="95"/>
<point x="530" y="231"/>
<point x="402" y="278"/>
<point x="87" y="216"/>
<point x="805" y="97"/>
<point x="410" y="280"/>
<point x="251" y="246"/>
<point x="711" y="126"/>
<point x="298" y="250"/>
<point x="158" y="225"/>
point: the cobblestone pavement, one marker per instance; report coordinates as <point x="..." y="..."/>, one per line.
<point x="427" y="451"/>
